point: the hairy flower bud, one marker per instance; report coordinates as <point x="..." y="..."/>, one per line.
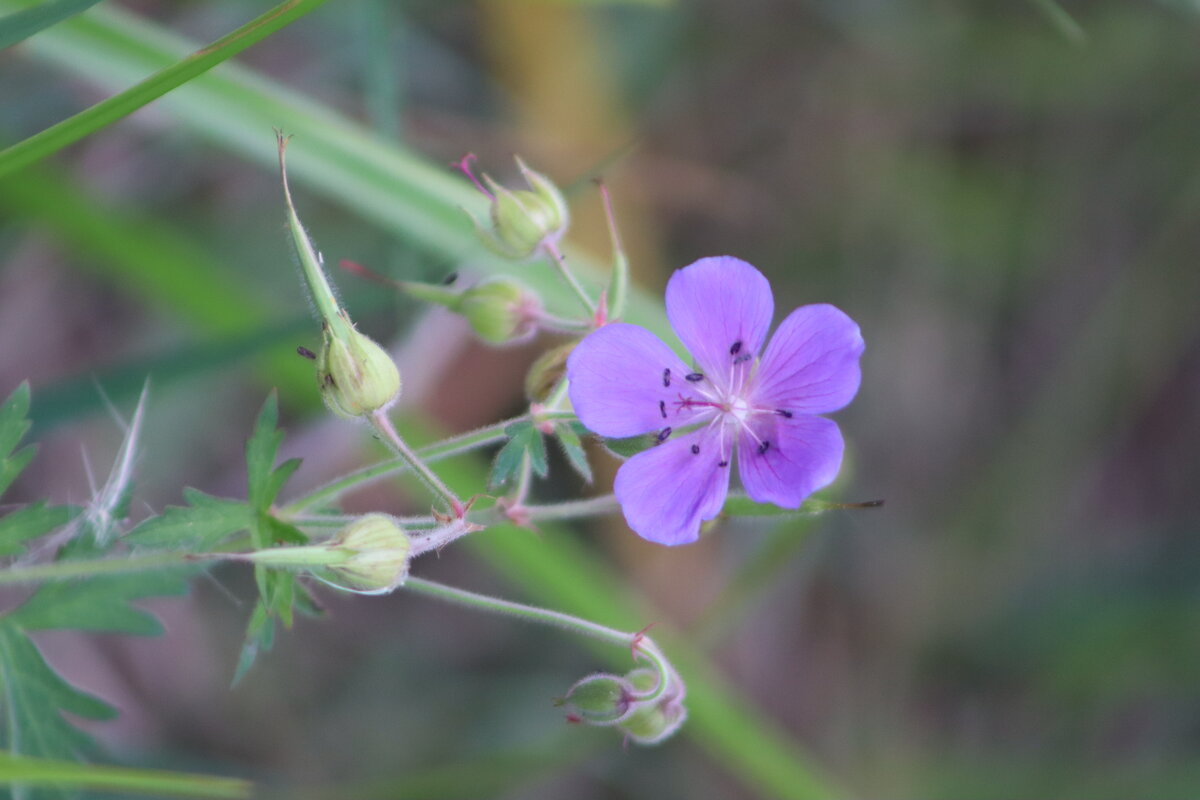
<point x="599" y="699"/>
<point x="500" y="310"/>
<point x="378" y="555"/>
<point x="547" y="371"/>
<point x="357" y="377"/>
<point x="523" y="220"/>
<point x="654" y="721"/>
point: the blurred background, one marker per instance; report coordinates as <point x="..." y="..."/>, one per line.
<point x="1003" y="194"/>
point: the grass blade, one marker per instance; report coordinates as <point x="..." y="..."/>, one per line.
<point x="86" y="122"/>
<point x="20" y="25"/>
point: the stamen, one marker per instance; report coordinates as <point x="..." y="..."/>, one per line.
<point x="667" y="376"/>
<point x="736" y="348"/>
<point x="304" y="351"/>
<point x="449" y="279"/>
<point x="663" y="435"/>
<point x="694" y="377"/>
<point x="695" y="449"/>
<point x="783" y="412"/>
<point x="764" y="447"/>
<point x="662" y="408"/>
<point x="722" y="463"/>
<point x="744" y="357"/>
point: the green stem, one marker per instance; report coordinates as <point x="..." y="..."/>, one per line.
<point x="383" y="425"/>
<point x="463" y="443"/>
<point x="561" y="263"/>
<point x="533" y="613"/>
<point x="64" y="570"/>
<point x="618" y="286"/>
<point x="574" y="509"/>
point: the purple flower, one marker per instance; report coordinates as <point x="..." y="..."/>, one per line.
<point x="739" y="399"/>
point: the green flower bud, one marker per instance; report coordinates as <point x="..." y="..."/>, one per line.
<point x="500" y="310"/>
<point x="378" y="555"/>
<point x="651" y="724"/>
<point x="357" y="377"/>
<point x="524" y="220"/>
<point x="546" y="372"/>
<point x="599" y="699"/>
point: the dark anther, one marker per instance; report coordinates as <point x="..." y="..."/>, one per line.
<point x="663" y="434"/>
<point x="736" y="348"/>
<point x="449" y="279"/>
<point x="742" y="358"/>
<point x="667" y="376"/>
<point x="695" y="449"/>
<point x="783" y="412"/>
<point x="662" y="408"/>
<point x="764" y="447"/>
<point x="722" y="463"/>
<point x="304" y="351"/>
<point x="694" y="377"/>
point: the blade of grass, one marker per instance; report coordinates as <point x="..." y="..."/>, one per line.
<point x="89" y="121"/>
<point x="36" y="772"/>
<point x="20" y="25"/>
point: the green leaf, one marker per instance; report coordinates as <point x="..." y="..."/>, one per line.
<point x="263" y="481"/>
<point x="628" y="447"/>
<point x="573" y="448"/>
<point x="34" y="772"/>
<point x="260" y="636"/>
<point x="14" y="424"/>
<point x="31" y="522"/>
<point x="198" y="527"/>
<point x="19" y="26"/>
<point x="105" y="113"/>
<point x="99" y="604"/>
<point x="524" y="441"/>
<point x="35" y="698"/>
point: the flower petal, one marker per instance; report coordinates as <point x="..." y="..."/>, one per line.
<point x="720" y="308"/>
<point x="802" y="454"/>
<point x="665" y="492"/>
<point x="619" y="384"/>
<point x="811" y="365"/>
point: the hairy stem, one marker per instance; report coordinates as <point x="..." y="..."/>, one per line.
<point x="387" y="431"/>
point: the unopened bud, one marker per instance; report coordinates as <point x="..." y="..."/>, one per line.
<point x="599" y="699"/>
<point x="377" y="552"/>
<point x="524" y="220"/>
<point x="547" y="371"/>
<point x="650" y="722"/>
<point x="500" y="310"/>
<point x="357" y="377"/>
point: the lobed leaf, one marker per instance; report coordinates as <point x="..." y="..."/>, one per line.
<point x="30" y="522"/>
<point x="198" y="527"/>
<point x="35" y="698"/>
<point x="263" y="480"/>
<point x="572" y="447"/>
<point x="524" y="441"/>
<point x="99" y="604"/>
